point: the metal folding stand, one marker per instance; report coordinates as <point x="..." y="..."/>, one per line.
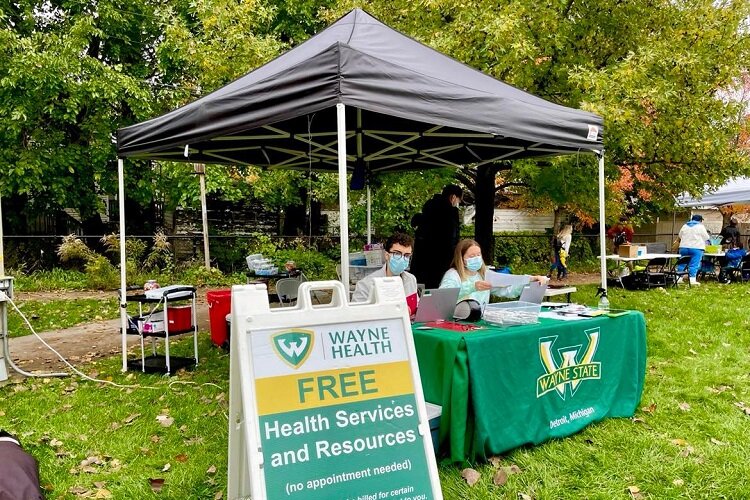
<point x="155" y="363"/>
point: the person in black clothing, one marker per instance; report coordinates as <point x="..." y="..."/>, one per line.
<point x="436" y="236"/>
<point x="731" y="233"/>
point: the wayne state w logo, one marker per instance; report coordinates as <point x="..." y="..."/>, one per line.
<point x="293" y="346"/>
<point x="569" y="368"/>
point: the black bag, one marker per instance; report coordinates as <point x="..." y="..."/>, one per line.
<point x="620" y="238"/>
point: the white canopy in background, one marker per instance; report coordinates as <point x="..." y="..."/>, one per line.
<point x="735" y="191"/>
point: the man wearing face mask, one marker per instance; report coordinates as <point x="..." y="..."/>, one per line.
<point x="398" y="250"/>
<point x="437" y="233"/>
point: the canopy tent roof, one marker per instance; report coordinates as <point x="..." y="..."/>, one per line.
<point x="735" y="191"/>
<point x="408" y="107"/>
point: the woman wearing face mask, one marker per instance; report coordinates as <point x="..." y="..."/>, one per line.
<point x="468" y="271"/>
<point x="398" y="249"/>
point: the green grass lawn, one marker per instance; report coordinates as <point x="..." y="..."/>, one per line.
<point x="55" y="314"/>
<point x="690" y="439"/>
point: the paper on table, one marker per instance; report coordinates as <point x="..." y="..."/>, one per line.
<point x="498" y="280"/>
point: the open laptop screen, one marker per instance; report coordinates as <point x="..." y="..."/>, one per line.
<point x="438" y="303"/>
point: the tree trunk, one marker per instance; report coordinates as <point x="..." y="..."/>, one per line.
<point x="484" y="200"/>
<point x="294" y="216"/>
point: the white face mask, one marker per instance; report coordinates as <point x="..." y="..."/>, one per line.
<point x="456" y="203"/>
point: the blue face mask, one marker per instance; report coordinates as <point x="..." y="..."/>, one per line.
<point x="475" y="263"/>
<point x="398" y="265"/>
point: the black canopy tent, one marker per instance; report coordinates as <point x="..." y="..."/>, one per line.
<point x="361" y="86"/>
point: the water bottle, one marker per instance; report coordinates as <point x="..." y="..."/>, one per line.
<point x="603" y="301"/>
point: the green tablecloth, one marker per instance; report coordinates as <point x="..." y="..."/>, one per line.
<point x="504" y="387"/>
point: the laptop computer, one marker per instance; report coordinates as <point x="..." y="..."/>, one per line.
<point x="533" y="292"/>
<point x="438" y="303"/>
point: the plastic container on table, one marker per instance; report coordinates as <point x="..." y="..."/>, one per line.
<point x="219" y="306"/>
<point x="512" y="313"/>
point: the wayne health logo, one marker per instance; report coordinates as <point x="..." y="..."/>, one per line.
<point x="293" y="346"/>
<point x="567" y="367"/>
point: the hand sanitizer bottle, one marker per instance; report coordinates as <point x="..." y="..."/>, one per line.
<point x="603" y="301"/>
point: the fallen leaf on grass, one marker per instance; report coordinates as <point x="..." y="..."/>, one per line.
<point x="719" y="443"/>
<point x="103" y="493"/>
<point x="471" y="476"/>
<point x="524" y="496"/>
<point x="100" y="484"/>
<point x="684" y="406"/>
<point x="155" y="438"/>
<point x="166" y="467"/>
<point x="219" y="495"/>
<point x="495" y="461"/>
<point x="79" y="491"/>
<point x="55" y="443"/>
<point x="693" y="352"/>
<point x="635" y="492"/>
<point x="156" y="484"/>
<point x="637" y="420"/>
<point x="686" y="451"/>
<point x="678" y="482"/>
<point x="650" y="409"/>
<point x="130" y="418"/>
<point x="500" y="477"/>
<point x="678" y="442"/>
<point x="181" y="458"/>
<point x="165" y="420"/>
<point x="211" y="470"/>
<point x="742" y="406"/>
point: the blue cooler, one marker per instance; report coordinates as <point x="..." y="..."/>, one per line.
<point x="433" y="416"/>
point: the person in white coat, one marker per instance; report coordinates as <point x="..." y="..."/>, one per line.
<point x="693" y="237"/>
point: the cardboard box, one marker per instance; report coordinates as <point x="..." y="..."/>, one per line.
<point x="627" y="251"/>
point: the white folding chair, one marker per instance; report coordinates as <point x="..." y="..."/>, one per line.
<point x="286" y="289"/>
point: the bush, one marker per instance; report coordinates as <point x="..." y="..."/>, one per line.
<point x="314" y="264"/>
<point x="101" y="274"/>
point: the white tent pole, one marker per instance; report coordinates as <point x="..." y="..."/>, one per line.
<point x="123" y="271"/>
<point x="343" y="202"/>
<point x="369" y="216"/>
<point x="367" y="181"/>
<point x="602" y="218"/>
<point x="200" y="169"/>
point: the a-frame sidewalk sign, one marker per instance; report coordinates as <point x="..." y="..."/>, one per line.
<point x="326" y="400"/>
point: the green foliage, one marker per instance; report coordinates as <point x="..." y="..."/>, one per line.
<point x="101" y="274"/>
<point x="396" y="198"/>
<point x="135" y="249"/>
<point x="160" y="257"/>
<point x="520" y="249"/>
<point x="196" y="274"/>
<point x="54" y="279"/>
<point x="315" y="265"/>
<point x="74" y="252"/>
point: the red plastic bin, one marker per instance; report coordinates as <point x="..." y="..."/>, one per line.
<point x="219" y="305"/>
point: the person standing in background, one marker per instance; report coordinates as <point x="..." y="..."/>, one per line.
<point x="561" y="247"/>
<point x="621" y="233"/>
<point x="731" y="233"/>
<point x="436" y="235"/>
<point x="693" y="237"/>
